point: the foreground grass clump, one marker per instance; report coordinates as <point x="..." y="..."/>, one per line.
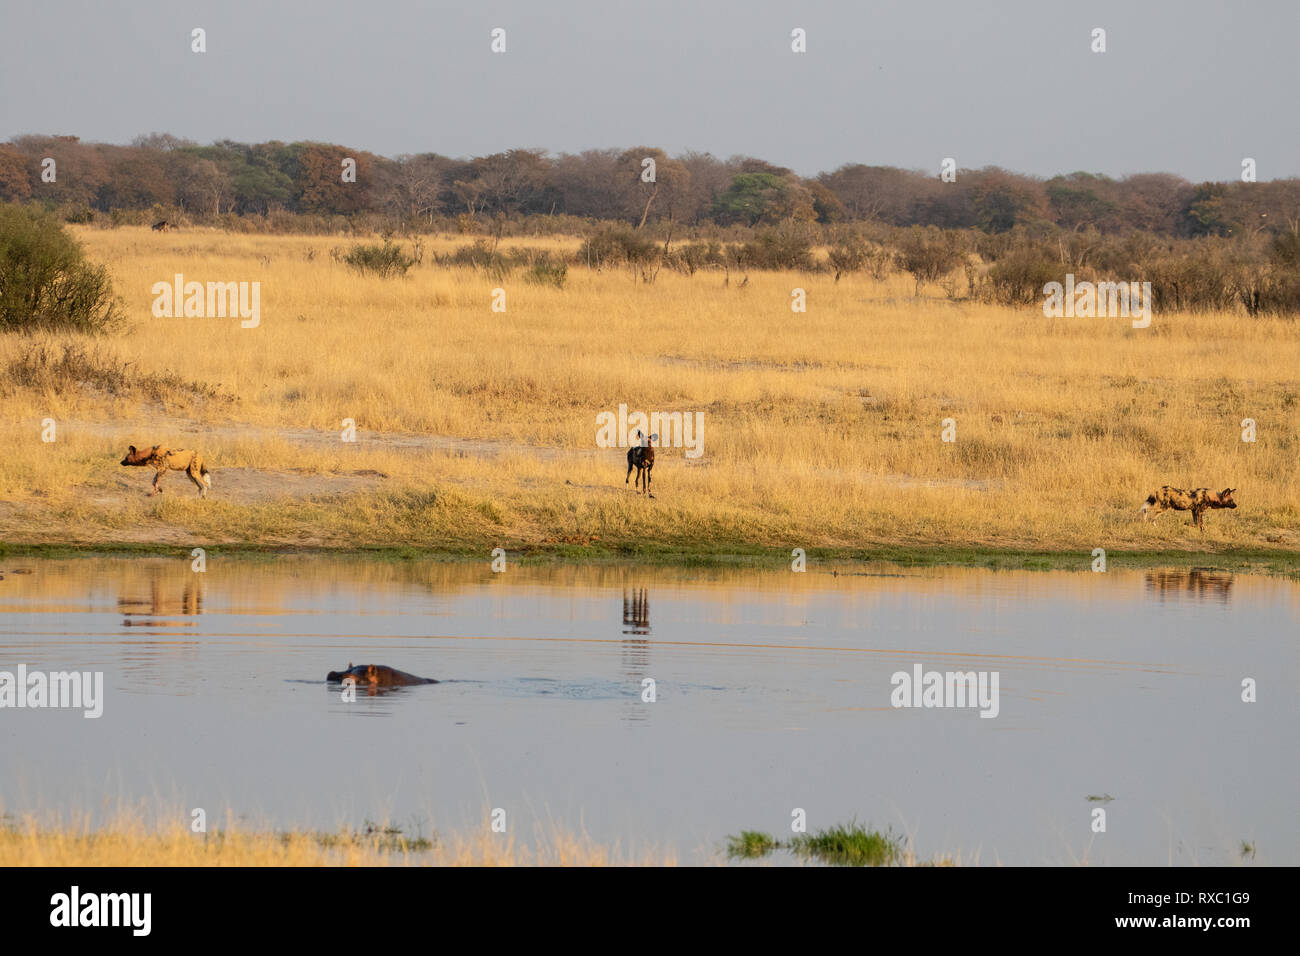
<point x="750" y="844"/>
<point x="850" y="845"/>
<point x="130" y="842"/>
<point x="840" y="845"/>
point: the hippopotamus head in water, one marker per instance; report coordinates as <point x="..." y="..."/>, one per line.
<point x="377" y="675"/>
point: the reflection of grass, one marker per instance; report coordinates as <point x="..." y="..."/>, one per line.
<point x="1247" y="850"/>
<point x="851" y="845"/>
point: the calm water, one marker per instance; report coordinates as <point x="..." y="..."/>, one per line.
<point x="772" y="692"/>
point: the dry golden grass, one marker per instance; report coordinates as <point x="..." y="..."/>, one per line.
<point x="129" y="841"/>
<point x="820" y="429"/>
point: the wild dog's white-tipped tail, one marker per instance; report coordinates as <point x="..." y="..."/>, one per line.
<point x="207" y="479"/>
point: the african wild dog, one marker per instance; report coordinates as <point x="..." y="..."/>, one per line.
<point x="1195" y="501"/>
<point x="162" y="226"/>
<point x="161" y="459"/>
<point x="641" y="456"/>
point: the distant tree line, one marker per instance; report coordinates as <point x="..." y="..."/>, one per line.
<point x="694" y="190"/>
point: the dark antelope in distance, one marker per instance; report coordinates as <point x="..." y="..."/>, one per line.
<point x="1197" y="501"/>
<point x="641" y="456"/>
<point x="161" y="459"/>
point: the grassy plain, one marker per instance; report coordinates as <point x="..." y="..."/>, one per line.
<point x="476" y="429"/>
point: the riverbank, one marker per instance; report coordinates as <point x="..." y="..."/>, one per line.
<point x="844" y="561"/>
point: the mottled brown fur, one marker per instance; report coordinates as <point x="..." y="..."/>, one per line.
<point x="1197" y="501"/>
<point x="162" y="459"/>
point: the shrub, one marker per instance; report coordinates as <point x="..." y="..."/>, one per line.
<point x="786" y="247"/>
<point x="928" y="254"/>
<point x="847" y="255"/>
<point x="45" y="280"/>
<point x="548" y="273"/>
<point x="615" y="247"/>
<point x="690" y="258"/>
<point x="386" y="260"/>
<point x="1018" y="278"/>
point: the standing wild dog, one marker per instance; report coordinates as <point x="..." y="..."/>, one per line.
<point x="641" y="457"/>
<point x="1196" y="501"/>
<point x="161" y="458"/>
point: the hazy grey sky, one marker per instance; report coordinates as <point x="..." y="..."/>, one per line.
<point x="1186" y="86"/>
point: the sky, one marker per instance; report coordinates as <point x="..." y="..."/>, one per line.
<point x="1185" y="86"/>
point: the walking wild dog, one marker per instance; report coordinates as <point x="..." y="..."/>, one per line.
<point x="161" y="458"/>
<point x="641" y="457"/>
<point x="1195" y="501"/>
<point x="162" y="226"/>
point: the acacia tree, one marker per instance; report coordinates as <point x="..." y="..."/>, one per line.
<point x="202" y="185"/>
<point x="671" y="184"/>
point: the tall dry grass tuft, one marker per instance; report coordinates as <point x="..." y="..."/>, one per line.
<point x="134" y="838"/>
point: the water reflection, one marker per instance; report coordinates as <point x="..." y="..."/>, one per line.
<point x="163" y="602"/>
<point x="635" y="648"/>
<point x="772" y="689"/>
<point x="1198" y="583"/>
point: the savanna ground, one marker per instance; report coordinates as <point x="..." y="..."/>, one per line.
<point x="477" y="429"/>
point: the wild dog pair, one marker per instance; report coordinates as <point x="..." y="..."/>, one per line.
<point x="162" y="459"/>
<point x="1197" y="501"/>
<point x="641" y="456"/>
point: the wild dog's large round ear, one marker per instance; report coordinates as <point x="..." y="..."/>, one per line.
<point x="131" y="449"/>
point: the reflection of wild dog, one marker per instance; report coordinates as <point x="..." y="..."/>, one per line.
<point x="161" y="459"/>
<point x="641" y="457"/>
<point x="1196" y="501"/>
<point x="162" y="226"/>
